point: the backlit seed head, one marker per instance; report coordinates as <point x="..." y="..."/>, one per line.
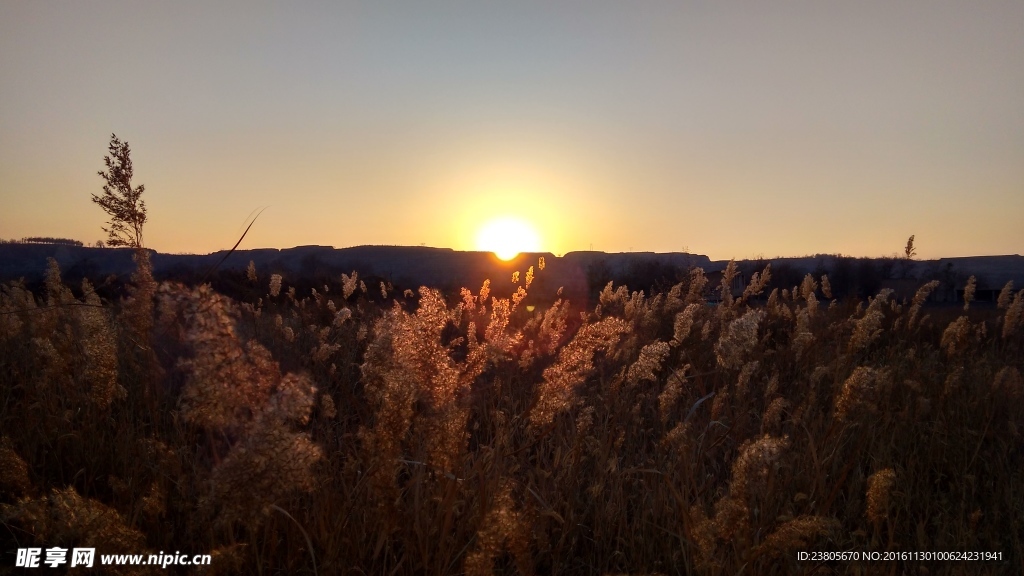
<point x="879" y="494"/>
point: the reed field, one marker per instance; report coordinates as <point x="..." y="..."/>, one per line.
<point x="359" y="429"/>
<point x="444" y="288"/>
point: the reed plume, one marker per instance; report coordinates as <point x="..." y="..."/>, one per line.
<point x="574" y="364"/>
<point x="738" y="339"/>
<point x="869" y="327"/>
<point x="879" y="494"/>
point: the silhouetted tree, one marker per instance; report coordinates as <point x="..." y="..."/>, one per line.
<point x="127" y="213"/>
<point x="907" y="263"/>
<point x="909" y="251"/>
<point x="123" y="203"/>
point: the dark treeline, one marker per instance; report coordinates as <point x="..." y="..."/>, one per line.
<point x="859" y="278"/>
<point x="651" y="276"/>
<point x="44" y="240"/>
<point x="850" y="277"/>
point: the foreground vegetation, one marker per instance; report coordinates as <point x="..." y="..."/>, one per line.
<point x="448" y="434"/>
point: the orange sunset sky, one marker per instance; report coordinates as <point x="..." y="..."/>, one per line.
<point x="732" y="129"/>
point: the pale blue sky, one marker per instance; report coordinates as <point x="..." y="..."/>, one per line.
<point x="731" y="128"/>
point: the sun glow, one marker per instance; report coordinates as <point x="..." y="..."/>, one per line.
<point x="507" y="237"/>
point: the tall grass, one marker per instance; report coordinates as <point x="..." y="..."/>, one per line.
<point x="449" y="434"/>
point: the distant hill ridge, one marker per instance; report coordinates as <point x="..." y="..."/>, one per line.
<point x="401" y="265"/>
<point x="412" y="266"/>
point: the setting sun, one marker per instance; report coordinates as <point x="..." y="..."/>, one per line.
<point x="507" y="237"/>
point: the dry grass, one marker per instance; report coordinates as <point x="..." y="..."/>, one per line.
<point x="650" y="434"/>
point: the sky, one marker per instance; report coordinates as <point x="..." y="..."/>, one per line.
<point x="730" y="129"/>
